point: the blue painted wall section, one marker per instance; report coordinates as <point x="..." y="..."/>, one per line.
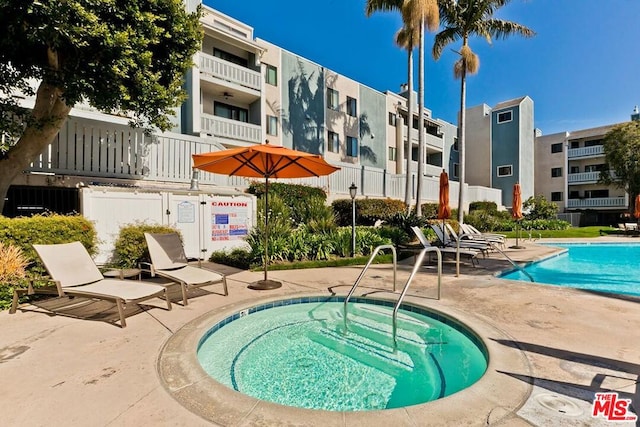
<point x="505" y="141"/>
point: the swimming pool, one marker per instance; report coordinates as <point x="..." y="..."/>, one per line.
<point x="294" y="352"/>
<point x="605" y="267"/>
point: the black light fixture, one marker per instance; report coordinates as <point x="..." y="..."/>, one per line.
<point x="353" y="191"/>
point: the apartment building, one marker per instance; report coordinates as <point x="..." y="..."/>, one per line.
<point x="500" y="147"/>
<point x="568" y="166"/>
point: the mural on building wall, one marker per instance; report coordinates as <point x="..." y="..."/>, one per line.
<point x="303" y="105"/>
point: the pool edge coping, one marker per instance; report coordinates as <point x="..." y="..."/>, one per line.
<point x="186" y="381"/>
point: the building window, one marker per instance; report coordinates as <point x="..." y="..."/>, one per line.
<point x="415" y="123"/>
<point x="333" y="102"/>
<point x="594" y="168"/>
<point x="593" y="143"/>
<point x="506" y="170"/>
<point x="333" y="142"/>
<point x="272" y="75"/>
<point x="392" y="119"/>
<point x="505" y="116"/>
<point x="352" y="146"/>
<point x="272" y="125"/>
<point x="352" y="106"/>
<point x="455" y="144"/>
<point x="556" y="148"/>
<point x="232" y="112"/>
<point x="229" y="57"/>
<point x="596" y="194"/>
<point x="556" y="172"/>
<point x="393" y="154"/>
<point x="456" y="170"/>
<point x="556" y="196"/>
<point x="574" y="169"/>
<point x="574" y="144"/>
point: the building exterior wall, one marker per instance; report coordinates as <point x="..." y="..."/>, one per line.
<point x="505" y="152"/>
<point x="526" y="147"/>
<point x="478" y="146"/>
<point x="372" y="116"/>
<point x="545" y="161"/>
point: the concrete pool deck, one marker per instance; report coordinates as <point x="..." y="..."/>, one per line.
<point x="551" y="349"/>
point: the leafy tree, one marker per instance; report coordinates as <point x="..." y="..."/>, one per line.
<point x="464" y="19"/>
<point x="122" y="56"/>
<point x="622" y="155"/>
<point x="539" y="208"/>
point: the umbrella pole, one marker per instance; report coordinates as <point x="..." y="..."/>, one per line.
<point x="265" y="283"/>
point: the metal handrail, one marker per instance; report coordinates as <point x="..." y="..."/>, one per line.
<point x="417" y="265"/>
<point x="366" y="267"/>
<point x="493" y="246"/>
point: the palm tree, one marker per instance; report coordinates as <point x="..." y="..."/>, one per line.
<point x="415" y="15"/>
<point x="464" y="19"/>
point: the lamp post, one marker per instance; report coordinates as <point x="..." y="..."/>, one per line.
<point x="353" y="190"/>
<point x="194" y="180"/>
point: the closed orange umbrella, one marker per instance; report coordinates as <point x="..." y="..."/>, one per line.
<point x="516" y="211"/>
<point x="636" y="210"/>
<point x="265" y="161"/>
<point x="444" y="210"/>
<point x="516" y="207"/>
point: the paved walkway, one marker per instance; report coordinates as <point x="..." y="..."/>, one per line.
<point x="59" y="370"/>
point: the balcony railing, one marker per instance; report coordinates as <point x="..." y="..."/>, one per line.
<point x="596" y="150"/>
<point x="583" y="178"/>
<point x="232" y="129"/>
<point x="600" y="202"/>
<point x="230" y="72"/>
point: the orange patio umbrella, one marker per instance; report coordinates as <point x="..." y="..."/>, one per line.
<point x="444" y="210"/>
<point x="264" y="161"/>
<point x="516" y="211"/>
<point x="636" y="208"/>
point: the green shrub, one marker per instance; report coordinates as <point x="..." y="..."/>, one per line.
<point x="296" y="197"/>
<point x="429" y="210"/>
<point x="238" y="257"/>
<point x="318" y="216"/>
<point x="131" y="247"/>
<point x="23" y="232"/>
<point x="483" y="206"/>
<point x="280" y="229"/>
<point x="539" y="208"/>
<point x="405" y="221"/>
<point x="397" y="235"/>
<point x="368" y="211"/>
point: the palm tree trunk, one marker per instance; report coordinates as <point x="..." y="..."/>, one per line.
<point x="461" y="142"/>
<point x="420" y="120"/>
<point x="408" y="196"/>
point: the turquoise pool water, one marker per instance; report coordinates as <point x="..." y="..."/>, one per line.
<point x="297" y="354"/>
<point x="606" y="267"/>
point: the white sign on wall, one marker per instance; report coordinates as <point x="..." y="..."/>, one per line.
<point x="229" y="219"/>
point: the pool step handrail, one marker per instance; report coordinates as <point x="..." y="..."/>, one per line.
<point x="493" y="246"/>
<point x="416" y="266"/>
<point x="364" y="270"/>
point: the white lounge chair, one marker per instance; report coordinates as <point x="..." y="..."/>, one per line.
<point x="475" y="234"/>
<point x="168" y="260"/>
<point x="447" y="240"/>
<point x="75" y="274"/>
<point x="470" y="254"/>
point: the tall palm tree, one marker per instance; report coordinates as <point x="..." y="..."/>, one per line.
<point x="420" y="14"/>
<point x="464" y="19"/>
<point x="416" y="14"/>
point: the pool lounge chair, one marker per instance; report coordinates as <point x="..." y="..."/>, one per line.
<point x="168" y="260"/>
<point x="447" y="241"/>
<point x="75" y="274"/>
<point x="470" y="254"/>
<point x="474" y="234"/>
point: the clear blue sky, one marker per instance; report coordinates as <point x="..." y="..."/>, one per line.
<point x="582" y="69"/>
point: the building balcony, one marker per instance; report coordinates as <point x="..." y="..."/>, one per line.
<point x="229" y="72"/>
<point x="585" y="152"/>
<point x="583" y="178"/>
<point x="599" y="203"/>
<point x="230" y="129"/>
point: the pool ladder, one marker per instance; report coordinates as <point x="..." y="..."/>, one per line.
<point x="416" y="266"/>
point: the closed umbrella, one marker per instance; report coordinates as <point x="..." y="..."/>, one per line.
<point x="444" y="210"/>
<point x="516" y="211"/>
<point x="636" y="207"/>
<point x="264" y="161"/>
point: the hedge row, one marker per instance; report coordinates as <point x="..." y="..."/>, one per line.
<point x="368" y="211"/>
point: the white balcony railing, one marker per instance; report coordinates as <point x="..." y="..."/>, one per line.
<point x="583" y="178"/>
<point x="593" y="151"/>
<point x="232" y="129"/>
<point x="600" y="202"/>
<point x="230" y="72"/>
